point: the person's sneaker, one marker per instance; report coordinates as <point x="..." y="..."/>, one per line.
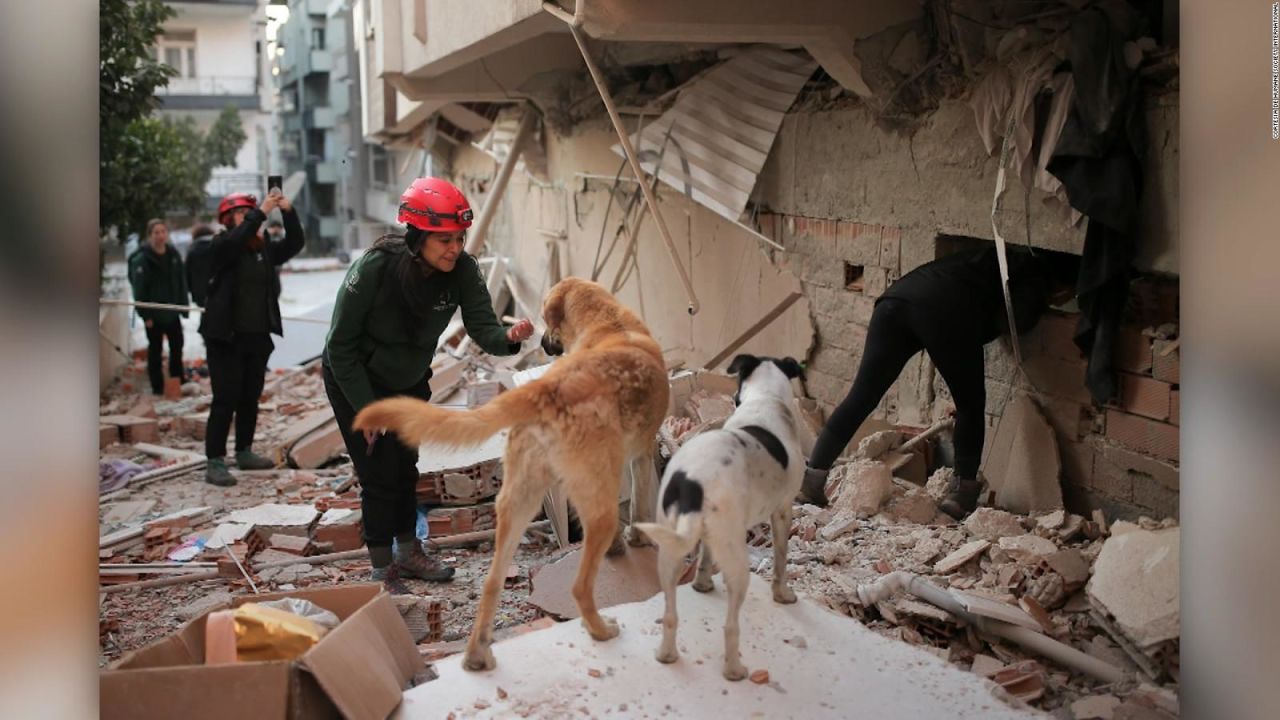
<point x="217" y="473"/>
<point x="961" y="498"/>
<point x="250" y="460"/>
<point x="390" y="579"/>
<point x="412" y="562"/>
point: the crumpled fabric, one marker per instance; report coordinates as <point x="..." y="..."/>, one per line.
<point x="1097" y="159"/>
<point x="115" y="474"/>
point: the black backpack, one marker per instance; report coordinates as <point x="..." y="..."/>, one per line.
<point x="200" y="270"/>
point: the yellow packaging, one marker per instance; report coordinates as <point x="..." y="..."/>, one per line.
<point x="264" y="633"/>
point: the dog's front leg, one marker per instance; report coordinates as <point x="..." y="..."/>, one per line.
<point x="702" y="582"/>
<point x="736" y="577"/>
<point x="781" y="523"/>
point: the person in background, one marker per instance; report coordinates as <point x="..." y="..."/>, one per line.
<point x="198" y="259"/>
<point x="950" y="308"/>
<point x="157" y="276"/>
<point x="389" y="315"/>
<point x="242" y="310"/>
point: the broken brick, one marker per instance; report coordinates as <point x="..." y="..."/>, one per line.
<point x="1144" y="396"/>
<point x="1142" y="434"/>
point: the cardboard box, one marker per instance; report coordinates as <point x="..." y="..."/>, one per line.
<point x="359" y="670"/>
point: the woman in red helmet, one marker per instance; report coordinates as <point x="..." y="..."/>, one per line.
<point x="242" y="309"/>
<point x="387" y="321"/>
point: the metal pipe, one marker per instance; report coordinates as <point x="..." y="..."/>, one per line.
<point x="476" y="237"/>
<point x="630" y="151"/>
<point x="190" y="308"/>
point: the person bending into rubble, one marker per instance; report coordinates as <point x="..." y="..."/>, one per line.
<point x="242" y="309"/>
<point x="390" y="312"/>
<point x="950" y="308"/>
<point x="156" y="274"/>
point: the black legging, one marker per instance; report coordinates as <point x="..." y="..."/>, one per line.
<point x="895" y="334"/>
<point x="388" y="476"/>
<point x="237" y="372"/>
<point x="155" y="350"/>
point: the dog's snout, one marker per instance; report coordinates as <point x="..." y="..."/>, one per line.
<point x="550" y="346"/>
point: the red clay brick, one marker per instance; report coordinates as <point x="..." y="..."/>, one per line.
<point x="1148" y="436"/>
<point x="1133" y="351"/>
<point x="1165" y="367"/>
<point x="1175" y="407"/>
<point x="108" y="434"/>
<point x="1144" y="396"/>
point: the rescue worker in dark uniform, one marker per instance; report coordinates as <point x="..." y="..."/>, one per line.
<point x="242" y="309"/>
<point x="157" y="275"/>
<point x="950" y="308"/>
<point x="391" y="310"/>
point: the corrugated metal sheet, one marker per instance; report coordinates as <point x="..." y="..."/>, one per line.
<point x="718" y="133"/>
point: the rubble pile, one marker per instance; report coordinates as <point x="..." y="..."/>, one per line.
<point x="195" y="546"/>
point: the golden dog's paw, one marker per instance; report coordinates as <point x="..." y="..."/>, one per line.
<point x="607" y="629"/>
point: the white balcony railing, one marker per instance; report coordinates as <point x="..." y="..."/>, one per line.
<point x="217" y="85"/>
<point x="224" y="183"/>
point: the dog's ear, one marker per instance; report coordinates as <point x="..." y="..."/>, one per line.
<point x="553" y="310"/>
<point x="790" y="367"/>
<point x="743" y="366"/>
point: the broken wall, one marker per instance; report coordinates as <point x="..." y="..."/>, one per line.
<point x="733" y="276"/>
<point x="857" y="206"/>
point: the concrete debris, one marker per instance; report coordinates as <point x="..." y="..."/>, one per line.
<point x="839" y="526"/>
<point x="1053" y="520"/>
<point x="938" y="482"/>
<point x="1095" y="707"/>
<point x="992" y="524"/>
<point x="1135" y="581"/>
<point x="202" y="605"/>
<point x="1027" y="548"/>
<point x="877" y="444"/>
<point x="914" y="506"/>
<point x="985" y="665"/>
<point x="863" y="486"/>
<point x="960" y="556"/>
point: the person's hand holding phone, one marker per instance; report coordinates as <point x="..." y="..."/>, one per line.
<point x="270" y="202"/>
<point x="283" y="202"/>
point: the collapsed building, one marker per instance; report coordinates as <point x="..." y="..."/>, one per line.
<point x="802" y="158"/>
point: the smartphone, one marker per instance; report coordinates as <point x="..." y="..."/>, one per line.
<point x="275" y="182"/>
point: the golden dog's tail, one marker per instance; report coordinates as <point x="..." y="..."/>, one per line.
<point x="418" y="422"/>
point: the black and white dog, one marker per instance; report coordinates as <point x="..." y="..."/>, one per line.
<point x="723" y="482"/>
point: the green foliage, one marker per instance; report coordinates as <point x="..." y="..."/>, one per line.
<point x="149" y="165"/>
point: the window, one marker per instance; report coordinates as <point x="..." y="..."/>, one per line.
<point x="317" y="38"/>
<point x="379" y="166"/>
<point x="177" y="49"/>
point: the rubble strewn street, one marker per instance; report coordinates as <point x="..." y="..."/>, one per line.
<point x="1073" y="578"/>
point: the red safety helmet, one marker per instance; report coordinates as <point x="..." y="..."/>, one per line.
<point x="233" y="201"/>
<point x="434" y="205"/>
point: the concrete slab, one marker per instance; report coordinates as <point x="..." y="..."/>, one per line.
<point x="837" y="669"/>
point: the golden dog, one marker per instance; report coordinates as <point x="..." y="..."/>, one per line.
<point x="594" y="411"/>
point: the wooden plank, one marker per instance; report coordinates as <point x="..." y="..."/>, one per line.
<point x="752" y="331"/>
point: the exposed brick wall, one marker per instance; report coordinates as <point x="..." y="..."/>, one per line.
<point x="1122" y="457"/>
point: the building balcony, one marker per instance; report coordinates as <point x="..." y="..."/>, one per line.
<point x="210" y="93"/>
<point x="321" y="61"/>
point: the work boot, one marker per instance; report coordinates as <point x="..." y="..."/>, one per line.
<point x="217" y="473"/>
<point x="250" y="460"/>
<point x="814" y="489"/>
<point x="412" y="562"/>
<point x="389" y="576"/>
<point x="961" y="498"/>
